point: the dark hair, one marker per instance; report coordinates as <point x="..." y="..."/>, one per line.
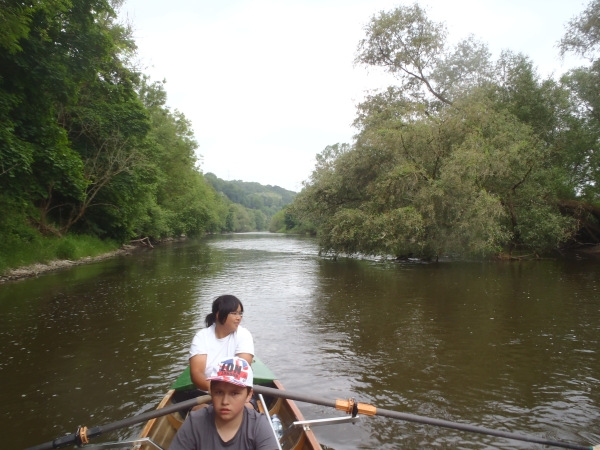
<point x="223" y="305"/>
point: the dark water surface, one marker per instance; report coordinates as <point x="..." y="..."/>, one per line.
<point x="512" y="346"/>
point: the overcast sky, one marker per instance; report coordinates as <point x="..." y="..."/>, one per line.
<point x="268" y="84"/>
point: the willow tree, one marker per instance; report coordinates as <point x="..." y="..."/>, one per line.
<point x="462" y="156"/>
<point x="582" y="143"/>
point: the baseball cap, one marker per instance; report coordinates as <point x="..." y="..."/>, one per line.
<point x="233" y="370"/>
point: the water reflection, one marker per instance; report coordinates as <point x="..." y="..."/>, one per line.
<point x="489" y="344"/>
<point x="507" y="346"/>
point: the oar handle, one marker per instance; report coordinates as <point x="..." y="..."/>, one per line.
<point x="349" y="407"/>
<point x="72" y="439"/>
<point x="69" y="439"/>
<point x="352" y="407"/>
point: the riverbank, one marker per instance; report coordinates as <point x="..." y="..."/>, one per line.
<point x="36" y="269"/>
<point x="39" y="268"/>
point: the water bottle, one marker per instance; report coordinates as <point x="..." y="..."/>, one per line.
<point x="277" y="427"/>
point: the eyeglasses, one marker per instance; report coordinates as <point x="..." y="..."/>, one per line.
<point x="235" y="313"/>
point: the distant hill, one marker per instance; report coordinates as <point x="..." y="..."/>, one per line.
<point x="268" y="199"/>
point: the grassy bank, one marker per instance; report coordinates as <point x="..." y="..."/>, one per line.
<point x="19" y="251"/>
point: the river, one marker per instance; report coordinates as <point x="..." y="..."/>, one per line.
<point x="512" y="346"/>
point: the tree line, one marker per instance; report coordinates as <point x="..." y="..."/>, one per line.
<point x="88" y="145"/>
<point x="466" y="154"/>
<point x="255" y="203"/>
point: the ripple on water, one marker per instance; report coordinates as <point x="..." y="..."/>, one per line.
<point x="509" y="346"/>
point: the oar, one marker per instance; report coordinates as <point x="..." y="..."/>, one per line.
<point x="362" y="408"/>
<point x="76" y="438"/>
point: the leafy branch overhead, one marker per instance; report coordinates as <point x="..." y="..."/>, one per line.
<point x="407" y="44"/>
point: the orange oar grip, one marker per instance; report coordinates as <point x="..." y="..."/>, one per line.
<point x="348" y="405"/>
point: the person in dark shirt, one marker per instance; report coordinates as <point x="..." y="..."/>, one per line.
<point x="227" y="423"/>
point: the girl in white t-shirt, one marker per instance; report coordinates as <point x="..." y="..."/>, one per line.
<point x="222" y="338"/>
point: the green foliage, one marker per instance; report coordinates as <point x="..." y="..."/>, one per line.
<point x="260" y="219"/>
<point x="434" y="186"/>
<point x="285" y="221"/>
<point x="253" y="205"/>
<point x="183" y="202"/>
<point x="240" y="219"/>
<point x="583" y="32"/>
<point x="289" y="220"/>
<point x="57" y="148"/>
<point x="39" y="72"/>
<point x="465" y="156"/>
<point x="268" y="199"/>
<point x="407" y="44"/>
<point x="243" y="219"/>
<point x="86" y="142"/>
<point x="14" y="24"/>
<point x="22" y="244"/>
<point x="13" y="221"/>
<point x="66" y="249"/>
<point x="277" y="223"/>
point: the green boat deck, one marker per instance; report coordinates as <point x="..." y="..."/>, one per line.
<point x="262" y="375"/>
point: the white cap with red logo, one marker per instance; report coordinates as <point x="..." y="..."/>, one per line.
<point x="233" y="370"/>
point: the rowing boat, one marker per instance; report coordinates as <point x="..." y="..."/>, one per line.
<point x="162" y="424"/>
<point x="162" y="430"/>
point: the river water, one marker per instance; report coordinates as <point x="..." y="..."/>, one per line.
<point x="512" y="346"/>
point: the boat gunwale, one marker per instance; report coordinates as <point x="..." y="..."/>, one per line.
<point x="308" y="432"/>
<point x="307" y="439"/>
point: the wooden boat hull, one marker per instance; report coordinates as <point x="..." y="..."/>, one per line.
<point x="162" y="430"/>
